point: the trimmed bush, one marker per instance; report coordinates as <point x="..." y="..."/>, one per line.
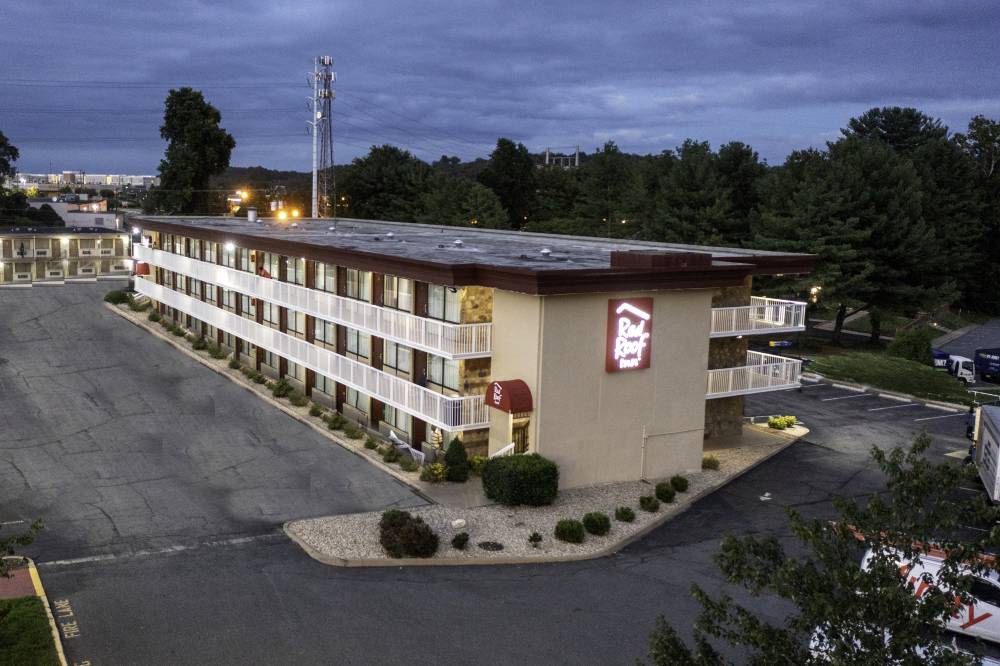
<point x="535" y="539"/>
<point x="521" y="479"/>
<point x="434" y="473"/>
<point x="781" y="422"/>
<point x="353" y="432"/>
<point x="709" y="462"/>
<point x="391" y="454"/>
<point x="569" y="530"/>
<point x="337" y="421"/>
<point x="649" y="503"/>
<point x="298" y="399"/>
<point x="371" y="443"/>
<point x="153" y="316"/>
<point x="116" y="297"/>
<point x="199" y="344"/>
<point x="460" y="540"/>
<point x="476" y="464"/>
<point x="215" y="351"/>
<point x="597" y="523"/>
<point x="665" y="492"/>
<point x="624" y="514"/>
<point x="258" y="378"/>
<point x="281" y="388"/>
<point x="408" y="464"/>
<point x="403" y="535"/>
<point x="679" y="483"/>
<point x="315" y="410"/>
<point x="178" y="331"/>
<point x="457" y="462"/>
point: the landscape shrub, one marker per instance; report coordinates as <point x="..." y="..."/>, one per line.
<point x="665" y="492"/>
<point x="281" y="388"/>
<point x="199" y="344"/>
<point x="649" y="503"/>
<point x="391" y="455"/>
<point x="215" y="351"/>
<point x="337" y="421"/>
<point x="136" y="306"/>
<point x="116" y="297"/>
<point x="315" y="410"/>
<point x="434" y="473"/>
<point x="408" y="464"/>
<point x="153" y="316"/>
<point x="403" y="535"/>
<point x="625" y="514"/>
<point x="914" y="344"/>
<point x="178" y="331"/>
<point x="457" y="462"/>
<point x="709" y="462"/>
<point x="569" y="530"/>
<point x="597" y="523"/>
<point x="476" y="464"/>
<point x="679" y="483"/>
<point x="535" y="539"/>
<point x="235" y="364"/>
<point x="353" y="432"/>
<point x="258" y="378"/>
<point x="781" y="422"/>
<point x="371" y="443"/>
<point x="521" y="479"/>
<point x="298" y="399"/>
<point x="460" y="540"/>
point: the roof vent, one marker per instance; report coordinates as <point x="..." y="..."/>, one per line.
<point x="457" y="242"/>
<point x="545" y="251"/>
<point x="331" y="228"/>
<point x="390" y="235"/>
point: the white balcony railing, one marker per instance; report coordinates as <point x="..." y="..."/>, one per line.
<point x="437" y="337"/>
<point x="451" y="414"/>
<point x="762" y="372"/>
<point x="763" y="315"/>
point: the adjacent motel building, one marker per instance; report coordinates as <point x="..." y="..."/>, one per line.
<point x="616" y="359"/>
<point x="56" y="255"/>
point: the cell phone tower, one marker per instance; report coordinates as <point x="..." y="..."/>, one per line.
<point x="324" y="182"/>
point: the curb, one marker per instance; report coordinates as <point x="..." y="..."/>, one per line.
<point x="306" y="420"/>
<point x="608" y="550"/>
<point x="902" y="397"/>
<point x="36" y="582"/>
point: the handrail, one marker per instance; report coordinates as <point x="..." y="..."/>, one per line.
<point x="446" y="339"/>
<point x="505" y="451"/>
<point x="763" y="315"/>
<point x="451" y="414"/>
<point x="762" y="372"/>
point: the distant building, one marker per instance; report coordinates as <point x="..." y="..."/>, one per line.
<point x="31" y="255"/>
<point x="51" y="182"/>
<point x="561" y="160"/>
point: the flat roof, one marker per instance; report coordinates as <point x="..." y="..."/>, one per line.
<point x="462" y="255"/>
<point x="59" y="231"/>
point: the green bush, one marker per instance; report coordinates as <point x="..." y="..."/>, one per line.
<point x="679" y="483"/>
<point x="371" y="443"/>
<point x="281" y="388"/>
<point x="665" y="492"/>
<point x="315" y="410"/>
<point x="521" y="479"/>
<point x="258" y="378"/>
<point x="434" y="473"/>
<point x="298" y="399"/>
<point x="178" y="331"/>
<point x="597" y="523"/>
<point x="153" y="316"/>
<point x="199" y="344"/>
<point x="391" y="455"/>
<point x="460" y="540"/>
<point x="535" y="539"/>
<point x="457" y="462"/>
<point x="569" y="530"/>
<point x="234" y="363"/>
<point x="215" y="351"/>
<point x="337" y="421"/>
<point x="353" y="432"/>
<point x="709" y="462"/>
<point x="624" y="514"/>
<point x="136" y="306"/>
<point x="781" y="422"/>
<point x="476" y="464"/>
<point x="650" y="503"/>
<point x="403" y="535"/>
<point x="116" y="297"/>
<point x="914" y="344"/>
<point x="408" y="464"/>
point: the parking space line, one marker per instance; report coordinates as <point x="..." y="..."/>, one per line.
<point x="859" y="389"/>
<point x="943" y="416"/>
<point x="879" y="409"/>
<point x="848" y="397"/>
<point x="811" y="386"/>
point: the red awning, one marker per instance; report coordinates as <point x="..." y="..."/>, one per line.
<point x="142" y="268"/>
<point x="511" y="396"/>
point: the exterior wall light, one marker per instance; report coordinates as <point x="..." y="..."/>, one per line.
<point x="230" y="246"/>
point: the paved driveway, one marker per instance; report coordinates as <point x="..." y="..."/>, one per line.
<point x="122" y="444"/>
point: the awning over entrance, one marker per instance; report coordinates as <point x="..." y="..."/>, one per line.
<point x="142" y="268"/>
<point x="511" y="396"/>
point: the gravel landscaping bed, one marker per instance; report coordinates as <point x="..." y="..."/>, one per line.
<point x="353" y="538"/>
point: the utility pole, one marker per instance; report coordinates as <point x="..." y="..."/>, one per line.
<point x="322" y="135"/>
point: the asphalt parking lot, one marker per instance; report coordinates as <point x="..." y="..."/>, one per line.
<point x="120" y="444"/>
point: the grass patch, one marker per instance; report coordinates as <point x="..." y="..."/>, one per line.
<point x="890" y="324"/>
<point x="25" y="634"/>
<point x="892" y="373"/>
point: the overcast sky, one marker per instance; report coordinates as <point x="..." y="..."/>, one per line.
<point x="82" y="83"/>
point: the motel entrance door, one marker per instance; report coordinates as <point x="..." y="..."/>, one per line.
<point x="519" y="432"/>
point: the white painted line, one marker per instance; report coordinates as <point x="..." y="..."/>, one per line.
<point x="860" y="389"/>
<point x="163" y="551"/>
<point x="12" y="522"/>
<point x="941" y="407"/>
<point x="970" y="527"/>
<point x="848" y="397"/>
<point x="960" y="454"/>
<point x="817" y="385"/>
<point x="811" y="380"/>
<point x="943" y="416"/>
<point x="879" y="409"/>
<point x="971" y="490"/>
<point x="889" y="396"/>
<point x="77" y="560"/>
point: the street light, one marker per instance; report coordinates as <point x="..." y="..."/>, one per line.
<point x="282" y="215"/>
<point x="295" y="212"/>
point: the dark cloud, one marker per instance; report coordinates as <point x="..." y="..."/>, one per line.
<point x="449" y="77"/>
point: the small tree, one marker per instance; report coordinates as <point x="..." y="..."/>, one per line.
<point x="870" y="616"/>
<point x="10" y="544"/>
<point x="457" y="461"/>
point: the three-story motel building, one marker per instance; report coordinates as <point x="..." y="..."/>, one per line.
<point x="616" y="359"/>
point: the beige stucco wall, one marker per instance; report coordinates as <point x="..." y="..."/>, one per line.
<point x="589" y="421"/>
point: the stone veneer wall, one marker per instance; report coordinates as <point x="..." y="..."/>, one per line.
<point x="724" y="416"/>
<point x="474" y="373"/>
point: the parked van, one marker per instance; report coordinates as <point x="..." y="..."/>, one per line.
<point x="963" y="368"/>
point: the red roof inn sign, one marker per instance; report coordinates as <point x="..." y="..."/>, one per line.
<point x="630" y="331"/>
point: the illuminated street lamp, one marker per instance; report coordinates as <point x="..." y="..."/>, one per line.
<point x="814" y="293"/>
<point x="295" y="212"/>
<point x="282" y="215"/>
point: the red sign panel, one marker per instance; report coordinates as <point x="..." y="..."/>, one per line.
<point x="630" y="334"/>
